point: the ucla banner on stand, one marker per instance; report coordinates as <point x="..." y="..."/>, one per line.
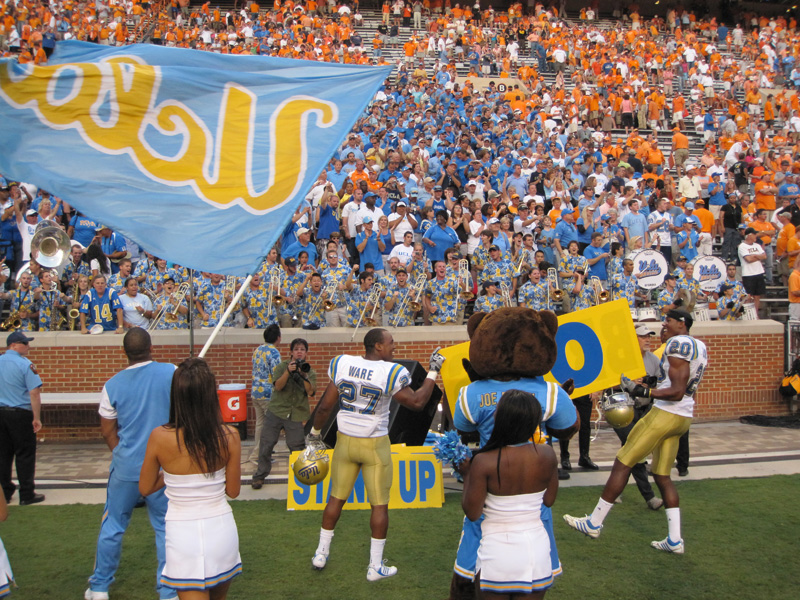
<point x="417" y="483"/>
<point x="595" y="346"/>
<point x="201" y="158"/>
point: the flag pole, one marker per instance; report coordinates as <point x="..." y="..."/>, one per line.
<point x="191" y="313"/>
<point x="231" y="306"/>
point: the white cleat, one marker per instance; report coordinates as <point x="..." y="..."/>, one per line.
<point x="381" y="572"/>
<point x="319" y="561"/>
<point x="667" y="545"/>
<point x="90" y="594"/>
<point x="584" y="525"/>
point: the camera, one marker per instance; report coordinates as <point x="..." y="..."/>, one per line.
<point x="302" y="366"/>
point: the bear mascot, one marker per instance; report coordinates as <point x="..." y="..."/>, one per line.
<point x="510" y="348"/>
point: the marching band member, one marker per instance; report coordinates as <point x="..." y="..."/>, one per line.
<point x="357" y="301"/>
<point x="311" y="306"/>
<point x="291" y="280"/>
<point x="728" y="307"/>
<point x="49" y="302"/>
<point x="117" y="281"/>
<point x="168" y="299"/>
<point x="739" y="293"/>
<point x="490" y="299"/>
<point x="212" y="300"/>
<point x="75" y="266"/>
<point x="397" y="310"/>
<point x="666" y="297"/>
<point x="583" y="294"/>
<point x="340" y="273"/>
<point x="625" y="285"/>
<point x="533" y="293"/>
<point x="441" y="296"/>
<point x="24" y="302"/>
<point x="255" y="304"/>
<point x="569" y="267"/>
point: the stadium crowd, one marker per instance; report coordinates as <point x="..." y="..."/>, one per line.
<point x="542" y="187"/>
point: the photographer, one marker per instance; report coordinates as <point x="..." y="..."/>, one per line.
<point x="294" y="382"/>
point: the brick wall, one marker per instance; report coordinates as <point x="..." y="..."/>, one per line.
<point x="745" y="368"/>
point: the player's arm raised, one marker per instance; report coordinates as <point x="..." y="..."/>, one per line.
<point x="417" y="399"/>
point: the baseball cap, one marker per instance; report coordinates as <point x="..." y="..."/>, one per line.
<point x="402" y="203"/>
<point x="472" y="182"/>
<point x="689" y="206"/>
<point x="437" y="188"/>
<point x="367" y="219"/>
<point x="413" y="193"/>
<point x="32" y="213"/>
<point x="749" y="230"/>
<point x="681" y="315"/>
<point x="724" y="288"/>
<point x="493" y="194"/>
<point x="668" y="277"/>
<point x="641" y="330"/>
<point x="17" y="338"/>
<point x="493" y="247"/>
<point x="681" y="257"/>
<point x="302" y="230"/>
<point x="700" y="201"/>
<point x="492" y="221"/>
<point x="290" y="262"/>
<point x="99" y="227"/>
<point x="402" y="270"/>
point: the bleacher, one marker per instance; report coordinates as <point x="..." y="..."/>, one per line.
<point x="774" y="305"/>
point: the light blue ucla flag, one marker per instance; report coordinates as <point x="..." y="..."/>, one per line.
<point x="201" y="158"/>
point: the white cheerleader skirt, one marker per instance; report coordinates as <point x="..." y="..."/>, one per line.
<point x="201" y="553"/>
<point x="6" y="575"/>
<point x="515" y="562"/>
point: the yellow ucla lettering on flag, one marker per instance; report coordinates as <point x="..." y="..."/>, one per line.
<point x="595" y="346"/>
<point x="201" y="158"/>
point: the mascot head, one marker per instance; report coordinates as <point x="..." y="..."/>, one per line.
<point x="510" y="343"/>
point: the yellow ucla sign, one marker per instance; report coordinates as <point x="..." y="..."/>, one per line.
<point x="417" y="483"/>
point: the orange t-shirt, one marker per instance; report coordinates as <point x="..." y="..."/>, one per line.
<point x="762" y="200"/>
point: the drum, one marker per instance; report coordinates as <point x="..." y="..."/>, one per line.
<point x="750" y="312"/>
<point x="648" y="313"/>
<point x="709" y="272"/>
<point x="701" y="312"/>
<point x="650" y="268"/>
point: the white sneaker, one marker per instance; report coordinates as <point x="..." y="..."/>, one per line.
<point x="381" y="572"/>
<point x="319" y="561"/>
<point x="584" y="525"/>
<point x="668" y="545"/>
<point x="91" y="594"/>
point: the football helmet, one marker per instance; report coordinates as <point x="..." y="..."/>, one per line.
<point x="618" y="409"/>
<point x="311" y="466"/>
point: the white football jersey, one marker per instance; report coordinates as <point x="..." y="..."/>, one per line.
<point x="365" y="389"/>
<point x="687" y="348"/>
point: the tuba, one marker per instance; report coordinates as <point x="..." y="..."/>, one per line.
<point x="50" y="244"/>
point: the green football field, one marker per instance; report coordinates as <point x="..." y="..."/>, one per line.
<point x="741" y="542"/>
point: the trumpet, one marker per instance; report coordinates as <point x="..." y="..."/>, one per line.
<point x="463" y="279"/>
<point x="505" y="293"/>
<point x="552" y="280"/>
<point x="325" y="298"/>
<point x="14" y="321"/>
<point x="416" y="288"/>
<point x="600" y="295"/>
<point x="373" y="298"/>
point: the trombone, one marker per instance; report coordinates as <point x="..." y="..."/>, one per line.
<point x="464" y="279"/>
<point x="407" y="302"/>
<point x="373" y="298"/>
<point x="505" y="293"/>
<point x="273" y="292"/>
<point x="552" y="281"/>
<point x="518" y="266"/>
<point x="325" y="296"/>
<point x="600" y="295"/>
<point x="167" y="314"/>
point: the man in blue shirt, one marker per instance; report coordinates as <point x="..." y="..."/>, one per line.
<point x="113" y="246"/>
<point x="597" y="257"/>
<point x="566" y="232"/>
<point x="303" y="243"/>
<point x="20" y="418"/>
<point x="634" y="224"/>
<point x="133" y="403"/>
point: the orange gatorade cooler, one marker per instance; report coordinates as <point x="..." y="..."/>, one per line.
<point x="233" y="402"/>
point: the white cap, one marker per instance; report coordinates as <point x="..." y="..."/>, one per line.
<point x="302" y="230"/>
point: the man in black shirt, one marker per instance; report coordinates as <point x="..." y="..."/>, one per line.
<point x="739" y="171"/>
<point x="731" y="215"/>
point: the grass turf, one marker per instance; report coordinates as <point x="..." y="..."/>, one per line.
<point x="741" y="540"/>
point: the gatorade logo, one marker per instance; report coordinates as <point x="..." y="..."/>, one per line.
<point x="233" y="403"/>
